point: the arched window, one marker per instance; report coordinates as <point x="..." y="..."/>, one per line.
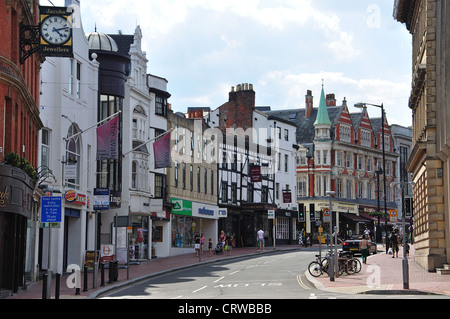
<point x="73" y="157"/>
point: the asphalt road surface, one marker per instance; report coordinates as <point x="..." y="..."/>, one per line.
<point x="274" y="276"/>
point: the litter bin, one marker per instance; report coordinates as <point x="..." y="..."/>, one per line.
<point x="113" y="271"/>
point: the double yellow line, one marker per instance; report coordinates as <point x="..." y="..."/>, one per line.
<point x="301" y="283"/>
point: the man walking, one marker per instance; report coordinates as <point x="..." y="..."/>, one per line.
<point x="260" y="238"/>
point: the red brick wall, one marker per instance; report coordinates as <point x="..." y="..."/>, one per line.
<point x="19" y="85"/>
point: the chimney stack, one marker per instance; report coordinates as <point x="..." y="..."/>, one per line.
<point x="331" y="100"/>
<point x="309" y="103"/>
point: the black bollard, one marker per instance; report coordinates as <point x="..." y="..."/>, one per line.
<point x="44" y="286"/>
<point x="110" y="272"/>
<point x="102" y="274"/>
<point x="85" y="278"/>
<point x="57" y="288"/>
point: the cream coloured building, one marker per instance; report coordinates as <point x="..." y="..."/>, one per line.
<point x="427" y="21"/>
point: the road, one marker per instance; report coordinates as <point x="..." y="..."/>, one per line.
<point x="273" y="276"/>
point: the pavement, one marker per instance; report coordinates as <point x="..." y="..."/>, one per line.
<point x="381" y="274"/>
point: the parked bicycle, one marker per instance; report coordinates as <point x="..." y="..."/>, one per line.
<point x="346" y="262"/>
<point x="319" y="266"/>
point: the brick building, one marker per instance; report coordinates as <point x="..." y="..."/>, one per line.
<point x="19" y="131"/>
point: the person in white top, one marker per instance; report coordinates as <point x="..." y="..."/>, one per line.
<point x="260" y="237"/>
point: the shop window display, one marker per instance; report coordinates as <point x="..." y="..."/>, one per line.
<point x="184" y="229"/>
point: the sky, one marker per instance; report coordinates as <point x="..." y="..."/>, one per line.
<point x="282" y="47"/>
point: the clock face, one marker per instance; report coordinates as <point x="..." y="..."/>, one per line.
<point x="56" y="30"/>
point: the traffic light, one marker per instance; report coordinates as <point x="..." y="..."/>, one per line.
<point x="301" y="213"/>
<point x="408" y="207"/>
<point x="312" y="212"/>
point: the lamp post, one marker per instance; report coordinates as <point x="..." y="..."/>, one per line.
<point x="405" y="266"/>
<point x="361" y="106"/>
<point x="332" y="259"/>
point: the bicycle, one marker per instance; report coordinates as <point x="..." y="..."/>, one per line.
<point x="348" y="263"/>
<point x="317" y="267"/>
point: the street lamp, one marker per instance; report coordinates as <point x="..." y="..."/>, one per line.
<point x="405" y="266"/>
<point x="332" y="259"/>
<point x="361" y="106"/>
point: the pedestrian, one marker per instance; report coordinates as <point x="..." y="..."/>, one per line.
<point x="202" y="243"/>
<point x="407" y="249"/>
<point x="364" y="249"/>
<point x="394" y="244"/>
<point x="197" y="244"/>
<point x="367" y="233"/>
<point x="229" y="246"/>
<point x="210" y="245"/>
<point x="260" y="238"/>
<point x="222" y="239"/>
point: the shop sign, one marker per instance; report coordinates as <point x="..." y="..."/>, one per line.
<point x="75" y="198"/>
<point x="4" y="197"/>
<point x="188" y="208"/>
<point x="181" y="207"/>
<point x="205" y="210"/>
<point x="107" y="253"/>
<point x="255" y="174"/>
<point x="339" y="207"/>
<point x="223" y="212"/>
<point x="287" y="197"/>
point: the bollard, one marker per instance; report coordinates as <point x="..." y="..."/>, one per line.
<point x="102" y="274"/>
<point x="116" y="271"/>
<point x="85" y="269"/>
<point x="44" y="286"/>
<point x="57" y="287"/>
<point x="77" y="290"/>
<point x="110" y="272"/>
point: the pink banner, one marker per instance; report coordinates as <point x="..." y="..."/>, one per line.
<point x="161" y="149"/>
<point x="107" y="140"/>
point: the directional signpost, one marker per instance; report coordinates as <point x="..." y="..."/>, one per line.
<point x="51" y="213"/>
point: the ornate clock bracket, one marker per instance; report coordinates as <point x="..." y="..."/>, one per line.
<point x="29" y="41"/>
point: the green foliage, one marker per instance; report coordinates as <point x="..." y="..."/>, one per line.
<point x="15" y="160"/>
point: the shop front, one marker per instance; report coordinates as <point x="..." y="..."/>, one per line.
<point x="16" y="200"/>
<point x="243" y="222"/>
<point x="286" y="226"/>
<point x="189" y="219"/>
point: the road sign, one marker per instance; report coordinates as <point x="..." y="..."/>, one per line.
<point x="51" y="208"/>
<point x="271" y="214"/>
<point x="393" y="216"/>
<point x="326" y="215"/>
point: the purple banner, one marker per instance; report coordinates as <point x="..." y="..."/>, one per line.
<point x="107" y="140"/>
<point x="161" y="149"/>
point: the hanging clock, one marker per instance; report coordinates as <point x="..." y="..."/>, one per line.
<point x="56" y="30"/>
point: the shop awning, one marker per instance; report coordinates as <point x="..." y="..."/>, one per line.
<point x="375" y="218"/>
<point x="355" y="218"/>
